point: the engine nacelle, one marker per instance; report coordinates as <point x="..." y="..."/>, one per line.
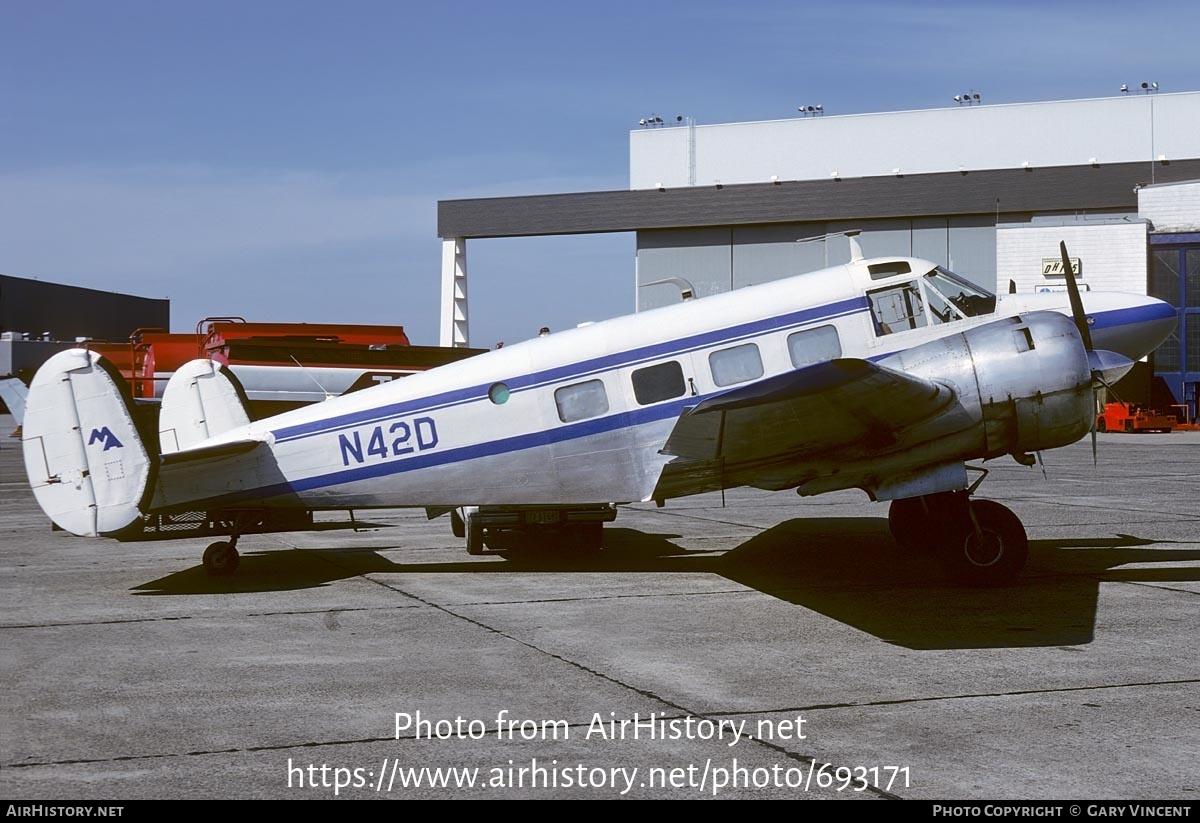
<point x="1024" y="381"/>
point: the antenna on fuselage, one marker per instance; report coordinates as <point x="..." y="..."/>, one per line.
<point x="311" y="377"/>
<point x="856" y="252"/>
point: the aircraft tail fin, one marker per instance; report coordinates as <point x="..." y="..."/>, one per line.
<point x="203" y="399"/>
<point x="13" y="392"/>
<point x="84" y="453"/>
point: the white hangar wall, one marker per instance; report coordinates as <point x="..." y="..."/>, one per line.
<point x="990" y="249"/>
<point x="1112" y="255"/>
<point x="722" y="258"/>
<point x="1132" y="128"/>
<point x="1171" y="207"/>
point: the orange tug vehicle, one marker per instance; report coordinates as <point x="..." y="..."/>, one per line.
<point x="1126" y="417"/>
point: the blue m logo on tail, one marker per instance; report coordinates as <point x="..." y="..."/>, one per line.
<point x="106" y="437"/>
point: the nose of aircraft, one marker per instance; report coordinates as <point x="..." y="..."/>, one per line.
<point x="1133" y="325"/>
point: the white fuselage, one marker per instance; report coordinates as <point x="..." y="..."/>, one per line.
<point x="439" y="438"/>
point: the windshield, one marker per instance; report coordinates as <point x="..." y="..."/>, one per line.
<point x="968" y="299"/>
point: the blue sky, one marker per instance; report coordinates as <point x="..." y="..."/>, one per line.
<point x="283" y="160"/>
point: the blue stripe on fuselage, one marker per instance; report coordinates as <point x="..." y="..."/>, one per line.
<point x="584" y="368"/>
<point x="572" y="431"/>
<point x="1132" y="315"/>
<point x="634" y="417"/>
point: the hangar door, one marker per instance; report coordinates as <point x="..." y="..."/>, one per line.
<point x="1175" y="278"/>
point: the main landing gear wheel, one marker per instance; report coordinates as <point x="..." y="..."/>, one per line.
<point x="221" y="559"/>
<point x="986" y="548"/>
<point x="908" y="520"/>
<point x="457" y="527"/>
<point x="474" y="533"/>
<point x="588" y="537"/>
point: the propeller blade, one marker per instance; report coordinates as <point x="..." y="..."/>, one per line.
<point x="1094" y="462"/>
<point x="1076" y="303"/>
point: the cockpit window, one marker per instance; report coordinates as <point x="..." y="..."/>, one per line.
<point x="969" y="300"/>
<point x="890" y="269"/>
<point x="897" y="308"/>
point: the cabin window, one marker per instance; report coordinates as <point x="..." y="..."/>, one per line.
<point x="814" y="346"/>
<point x="661" y="382"/>
<point x="581" y="401"/>
<point x="499" y="393"/>
<point x="736" y="365"/>
<point x="897" y="308"/>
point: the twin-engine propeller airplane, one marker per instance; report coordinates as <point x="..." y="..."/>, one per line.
<point x="882" y="374"/>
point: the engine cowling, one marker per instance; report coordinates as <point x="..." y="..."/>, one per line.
<point x="1025" y="381"/>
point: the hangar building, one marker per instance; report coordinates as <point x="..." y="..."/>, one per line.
<point x="38" y="318"/>
<point x="986" y="190"/>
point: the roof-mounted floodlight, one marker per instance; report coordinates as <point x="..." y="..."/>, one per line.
<point x="686" y="290"/>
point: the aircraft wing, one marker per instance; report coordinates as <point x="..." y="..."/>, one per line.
<point x="837" y="410"/>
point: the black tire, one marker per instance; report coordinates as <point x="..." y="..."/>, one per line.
<point x="457" y="526"/>
<point x="1101" y="425"/>
<point x="221" y="559"/>
<point x="906" y="521"/>
<point x="588" y="537"/>
<point x="474" y="535"/>
<point x="992" y="554"/>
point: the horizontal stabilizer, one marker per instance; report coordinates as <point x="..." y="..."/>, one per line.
<point x="217" y="450"/>
<point x="203" y="399"/>
<point x="218" y="475"/>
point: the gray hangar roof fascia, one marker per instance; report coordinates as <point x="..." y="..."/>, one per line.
<point x="1061" y="188"/>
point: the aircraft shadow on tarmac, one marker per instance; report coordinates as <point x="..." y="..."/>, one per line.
<point x="848" y="569"/>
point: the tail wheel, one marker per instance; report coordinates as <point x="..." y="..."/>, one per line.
<point x="221" y="559"/>
<point x="990" y="549"/>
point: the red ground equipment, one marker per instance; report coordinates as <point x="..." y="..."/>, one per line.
<point x="280" y="365"/>
<point x="1126" y="417"/>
